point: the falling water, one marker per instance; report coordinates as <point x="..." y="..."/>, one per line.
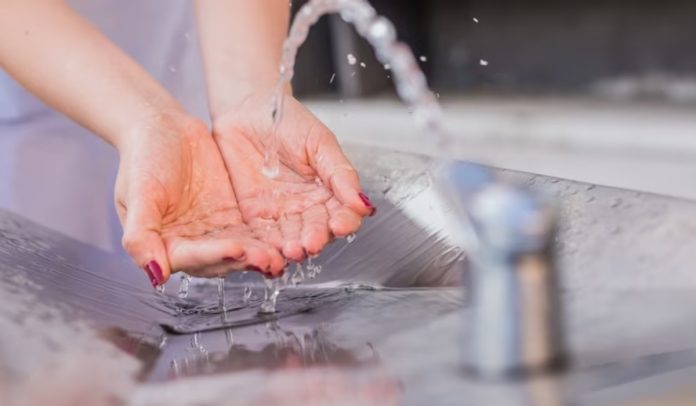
<point x="298" y="275"/>
<point x="410" y="81"/>
<point x="410" y="84"/>
<point x="184" y="283"/>
<point x="271" y="293"/>
<point x="221" y="292"/>
<point x="247" y="293"/>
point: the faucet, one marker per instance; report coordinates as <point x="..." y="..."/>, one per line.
<point x="515" y="326"/>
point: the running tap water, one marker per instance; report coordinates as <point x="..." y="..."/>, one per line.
<point x="510" y="231"/>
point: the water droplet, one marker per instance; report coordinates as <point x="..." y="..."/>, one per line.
<point x="387" y="66"/>
<point x="184" y="283"/>
<point x="351" y="59"/>
<point x="247" y="293"/>
<point x="221" y="292"/>
<point x="362" y="64"/>
<point x="271" y="167"/>
<point x="163" y="342"/>
<point x="350" y="238"/>
<point x="423" y="58"/>
<point x="483" y="62"/>
<point x="381" y="32"/>
<point x="476" y="20"/>
<point x="297" y="276"/>
<point x="160" y="289"/>
<point x="272" y="290"/>
<point x="333" y="76"/>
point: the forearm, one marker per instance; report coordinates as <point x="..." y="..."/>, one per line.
<point x="70" y="65"/>
<point x="241" y="43"/>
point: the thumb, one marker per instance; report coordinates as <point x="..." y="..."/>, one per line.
<point x="142" y="239"/>
<point x="336" y="171"/>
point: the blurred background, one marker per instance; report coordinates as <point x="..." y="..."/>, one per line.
<point x="617" y="49"/>
<point x="596" y="91"/>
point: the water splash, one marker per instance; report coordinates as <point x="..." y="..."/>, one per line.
<point x="350" y="238"/>
<point x="271" y="292"/>
<point x="184" y="283"/>
<point x="246" y="295"/>
<point x="410" y="81"/>
<point x="160" y="289"/>
<point x="221" y="292"/>
<point x="298" y="275"/>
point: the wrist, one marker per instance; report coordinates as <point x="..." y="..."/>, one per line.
<point x="170" y="123"/>
<point x="224" y="101"/>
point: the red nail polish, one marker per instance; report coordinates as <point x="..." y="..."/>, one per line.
<point x="156" y="272"/>
<point x="150" y="276"/>
<point x="366" y="200"/>
<point x="254" y="268"/>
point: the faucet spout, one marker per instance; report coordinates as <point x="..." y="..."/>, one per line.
<point x="515" y="325"/>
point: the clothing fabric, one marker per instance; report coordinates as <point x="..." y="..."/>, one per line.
<point x="53" y="171"/>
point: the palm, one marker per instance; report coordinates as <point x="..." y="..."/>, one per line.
<point x="300" y="209"/>
<point x="185" y="197"/>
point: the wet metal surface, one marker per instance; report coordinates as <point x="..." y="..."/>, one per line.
<point x="384" y="322"/>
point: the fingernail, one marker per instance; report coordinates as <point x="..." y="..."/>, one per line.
<point x="150" y="276"/>
<point x="254" y="268"/>
<point x="156" y="272"/>
<point x="366" y="201"/>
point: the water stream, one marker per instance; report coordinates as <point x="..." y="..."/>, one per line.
<point x="408" y="78"/>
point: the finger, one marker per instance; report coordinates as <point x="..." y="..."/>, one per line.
<point x="276" y="262"/>
<point x="337" y="173"/>
<point x="228" y="254"/>
<point x="342" y="220"/>
<point x="315" y="229"/>
<point x="291" y="228"/>
<point x="195" y="253"/>
<point x="142" y="239"/>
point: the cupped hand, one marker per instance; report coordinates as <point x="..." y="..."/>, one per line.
<point x="316" y="194"/>
<point x="177" y="207"/>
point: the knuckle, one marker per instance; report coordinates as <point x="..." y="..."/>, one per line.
<point x="132" y="242"/>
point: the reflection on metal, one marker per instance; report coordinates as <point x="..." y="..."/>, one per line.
<point x="627" y="297"/>
<point x="515" y="327"/>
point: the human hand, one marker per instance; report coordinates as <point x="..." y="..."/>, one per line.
<point x="316" y="194"/>
<point x="177" y="207"/>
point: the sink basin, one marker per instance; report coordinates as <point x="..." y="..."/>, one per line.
<point x="382" y="323"/>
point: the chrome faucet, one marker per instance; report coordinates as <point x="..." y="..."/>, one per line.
<point x="515" y="325"/>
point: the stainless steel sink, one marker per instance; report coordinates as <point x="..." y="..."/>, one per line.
<point x="387" y="315"/>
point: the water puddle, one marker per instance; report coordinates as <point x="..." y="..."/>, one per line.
<point x="247" y="304"/>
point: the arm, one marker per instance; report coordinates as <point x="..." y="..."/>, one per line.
<point x="173" y="195"/>
<point x="62" y="59"/>
<point x="241" y="42"/>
